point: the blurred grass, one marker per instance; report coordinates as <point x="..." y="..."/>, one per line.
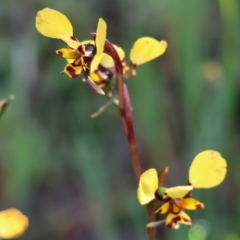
<point x="72" y="175"/>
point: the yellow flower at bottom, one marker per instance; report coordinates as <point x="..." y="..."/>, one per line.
<point x="173" y="209"/>
<point x="207" y="170"/>
<point x="12" y="223"/>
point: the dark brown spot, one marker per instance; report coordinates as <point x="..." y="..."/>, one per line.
<point x="81" y="50"/>
<point x="71" y="71"/>
<point x="60" y="53"/>
<point x="158" y="196"/>
<point x="170" y="225"/>
<point x="73" y="38"/>
<point x="176" y="219"/>
<point x="133" y="65"/>
<point x="186" y="220"/>
<point x="198" y="206"/>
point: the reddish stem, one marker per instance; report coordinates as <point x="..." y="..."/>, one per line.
<point x="127" y="120"/>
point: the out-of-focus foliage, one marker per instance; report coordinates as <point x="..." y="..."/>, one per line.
<point x="72" y="175"/>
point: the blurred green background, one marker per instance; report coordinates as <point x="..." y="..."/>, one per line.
<point x="72" y="175"/>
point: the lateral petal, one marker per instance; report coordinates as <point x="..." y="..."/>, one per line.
<point x="163" y="209"/>
<point x="189" y="204"/>
<point x="146" y="49"/>
<point x="148" y="184"/>
<point x="71" y="70"/>
<point x="67" y="53"/>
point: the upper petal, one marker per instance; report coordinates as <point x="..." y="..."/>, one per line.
<point x="145" y="49"/>
<point x="54" y="24"/>
<point x="148" y="184"/>
<point x="101" y="36"/>
<point x="207" y="170"/>
<point x="178" y="192"/>
<point x="12" y="223"/>
<point x="100" y="42"/>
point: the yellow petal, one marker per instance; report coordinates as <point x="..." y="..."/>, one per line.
<point x="148" y="184"/>
<point x="175" y="208"/>
<point x="71" y="70"/>
<point x="163" y="209"/>
<point x="53" y="24"/>
<point x="189" y="204"/>
<point x="173" y="220"/>
<point x="207" y="170"/>
<point x="95" y="62"/>
<point x="95" y="77"/>
<point x="185" y="219"/>
<point x="100" y="42"/>
<point x="101" y="35"/>
<point x="178" y="192"/>
<point x="12" y="223"/>
<point x="68" y="53"/>
<point x="107" y="61"/>
<point x="146" y="49"/>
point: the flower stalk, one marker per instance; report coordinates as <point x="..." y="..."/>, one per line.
<point x="125" y="110"/>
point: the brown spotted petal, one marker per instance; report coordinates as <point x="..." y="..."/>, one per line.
<point x="67" y="53"/>
<point x="71" y="70"/>
<point x="164" y="208"/>
<point x="169" y="207"/>
<point x="189" y="204"/>
<point x="185" y="219"/>
<point x="173" y="220"/>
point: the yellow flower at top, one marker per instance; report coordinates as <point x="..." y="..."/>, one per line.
<point x="88" y="57"/>
<point x="12" y="223"/>
<point x="79" y="55"/>
<point x="207" y="170"/>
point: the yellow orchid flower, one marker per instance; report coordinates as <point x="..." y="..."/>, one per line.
<point x="12" y="223"/>
<point x="79" y="55"/>
<point x="207" y="170"/>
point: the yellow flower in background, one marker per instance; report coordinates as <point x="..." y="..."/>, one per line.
<point x="207" y="170"/>
<point x="12" y="223"/>
<point x="79" y="55"/>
